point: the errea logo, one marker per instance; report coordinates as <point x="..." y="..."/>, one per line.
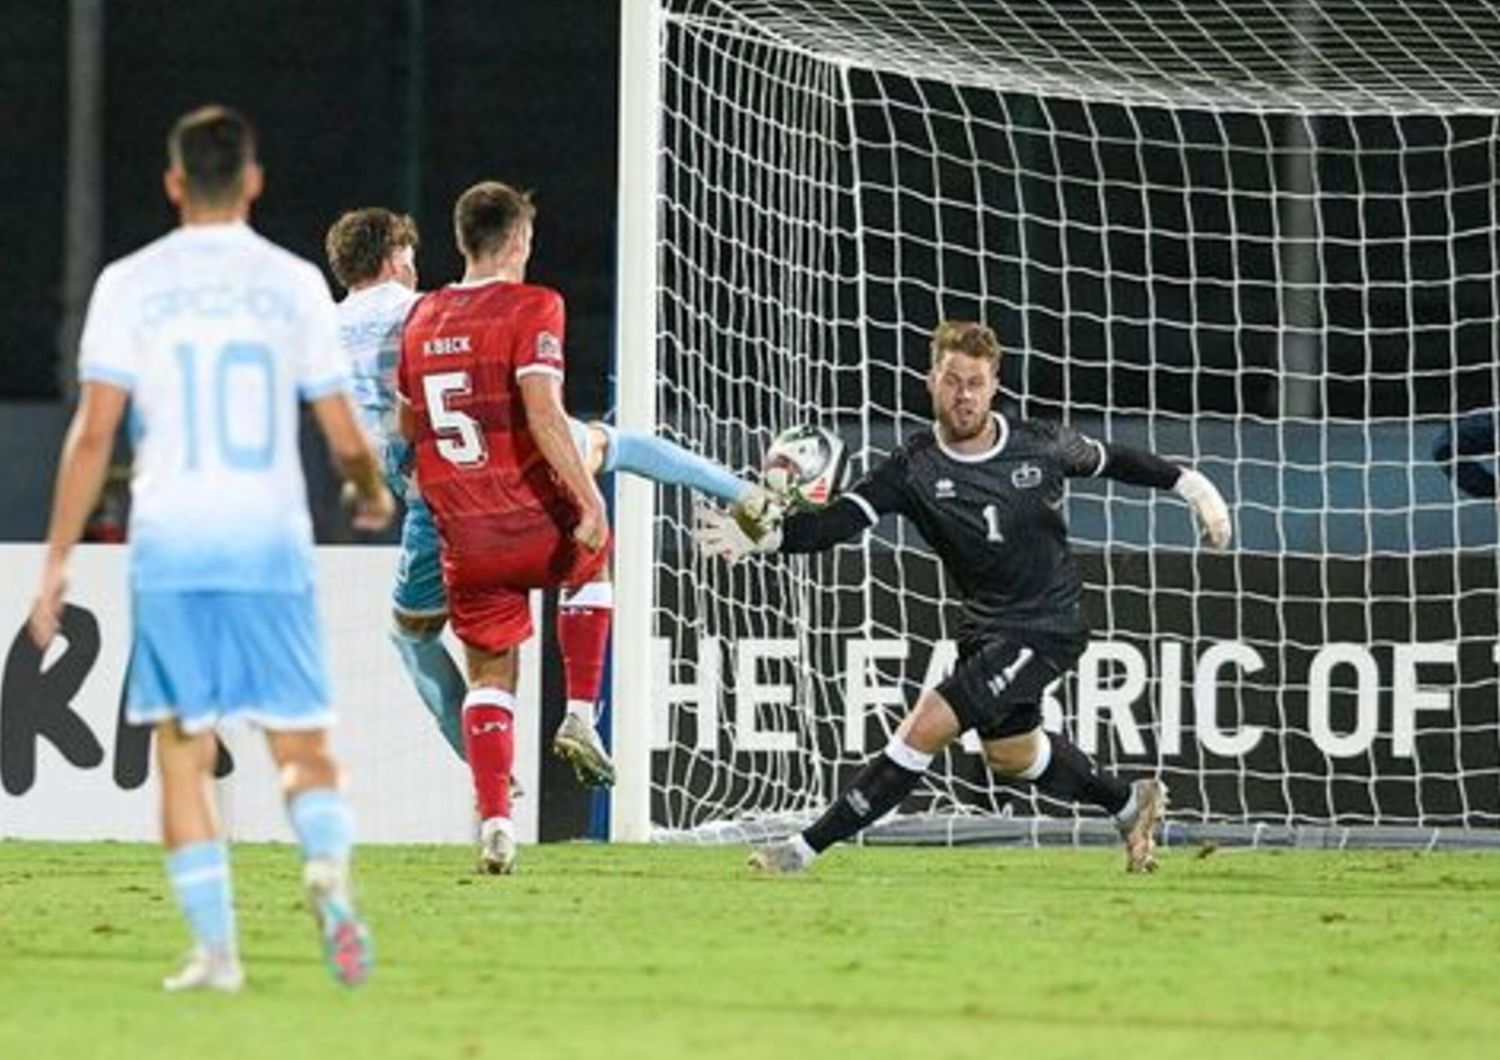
<point x="943" y="489"/>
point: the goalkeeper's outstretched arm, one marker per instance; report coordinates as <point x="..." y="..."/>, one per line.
<point x="1082" y="456"/>
<point x="1136" y="467"/>
<point x="732" y="536"/>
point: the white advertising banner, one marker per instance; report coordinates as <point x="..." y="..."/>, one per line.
<point x="71" y="769"/>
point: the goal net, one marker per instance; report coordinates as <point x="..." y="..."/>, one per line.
<point x="1256" y="236"/>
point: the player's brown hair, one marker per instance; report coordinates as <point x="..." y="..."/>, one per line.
<point x="212" y="146"/>
<point x="967" y="337"/>
<point x="360" y="241"/>
<point x="485" y="216"/>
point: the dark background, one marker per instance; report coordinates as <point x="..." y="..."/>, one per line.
<point x="400" y="103"/>
<point x="385" y="102"/>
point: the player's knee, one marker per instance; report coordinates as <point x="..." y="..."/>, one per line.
<point x="304" y="761"/>
<point x="932" y="725"/>
<point x="416" y="627"/>
<point x="312" y="770"/>
<point x="498" y="669"/>
<point x="1017" y="756"/>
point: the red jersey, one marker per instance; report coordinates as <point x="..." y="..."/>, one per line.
<point x="464" y="350"/>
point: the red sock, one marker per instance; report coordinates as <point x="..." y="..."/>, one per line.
<point x="489" y="741"/>
<point x="583" y="618"/>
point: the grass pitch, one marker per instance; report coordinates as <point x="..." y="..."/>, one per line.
<point x="625" y="952"/>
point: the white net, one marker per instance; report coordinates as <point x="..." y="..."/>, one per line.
<point x="1258" y="236"/>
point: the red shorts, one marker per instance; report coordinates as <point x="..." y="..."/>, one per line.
<point x="489" y="583"/>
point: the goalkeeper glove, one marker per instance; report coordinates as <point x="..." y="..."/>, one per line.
<point x="760" y="510"/>
<point x="734" y="535"/>
<point x="1213" y="514"/>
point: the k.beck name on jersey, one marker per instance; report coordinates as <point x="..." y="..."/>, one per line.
<point x="465" y="349"/>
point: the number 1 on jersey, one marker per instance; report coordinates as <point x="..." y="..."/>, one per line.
<point x="460" y="441"/>
<point x="992" y="523"/>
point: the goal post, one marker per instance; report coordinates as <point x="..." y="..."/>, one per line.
<point x="631" y="701"/>
<point x="1253" y="236"/>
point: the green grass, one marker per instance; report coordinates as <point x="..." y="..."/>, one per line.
<point x="662" y="953"/>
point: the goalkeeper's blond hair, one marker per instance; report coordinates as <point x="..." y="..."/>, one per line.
<point x="967" y="337"/>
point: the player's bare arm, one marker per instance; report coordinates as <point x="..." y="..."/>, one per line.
<point x="356" y="460"/>
<point x="541" y="394"/>
<point x="80" y="476"/>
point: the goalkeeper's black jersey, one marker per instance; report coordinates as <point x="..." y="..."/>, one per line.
<point x="994" y="519"/>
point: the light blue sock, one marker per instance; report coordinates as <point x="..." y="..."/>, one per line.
<point x="200" y="878"/>
<point x="438" y="682"/>
<point x="324" y="825"/>
<point x="670" y="464"/>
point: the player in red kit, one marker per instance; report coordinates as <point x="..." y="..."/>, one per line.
<point x="515" y="507"/>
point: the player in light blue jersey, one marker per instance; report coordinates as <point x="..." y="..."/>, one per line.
<point x="372" y="254"/>
<point x="214" y="335"/>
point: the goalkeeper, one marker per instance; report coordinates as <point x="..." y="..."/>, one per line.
<point x="986" y="492"/>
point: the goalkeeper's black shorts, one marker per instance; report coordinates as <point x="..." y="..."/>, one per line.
<point x="996" y="686"/>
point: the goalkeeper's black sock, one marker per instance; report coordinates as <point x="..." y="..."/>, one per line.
<point x="878" y="789"/>
<point x="1069" y="776"/>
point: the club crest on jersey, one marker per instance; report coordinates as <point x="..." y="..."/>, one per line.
<point x="1026" y="477"/>
<point x="943" y="489"/>
<point x="548" y="347"/>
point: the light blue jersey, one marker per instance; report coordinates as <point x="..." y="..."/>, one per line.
<point x="370" y="321"/>
<point x="218" y="334"/>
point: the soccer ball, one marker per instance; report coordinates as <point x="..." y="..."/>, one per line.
<point x="807" y="466"/>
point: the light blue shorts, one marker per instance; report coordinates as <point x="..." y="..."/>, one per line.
<point x="419" y="588"/>
<point x="419" y="591"/>
<point x="205" y="657"/>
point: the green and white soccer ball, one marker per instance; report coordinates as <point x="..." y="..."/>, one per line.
<point x="806" y="466"/>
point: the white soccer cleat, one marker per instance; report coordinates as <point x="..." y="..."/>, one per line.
<point x="778" y="859"/>
<point x="207" y="970"/>
<point x="578" y="742"/>
<point x="497" y="847"/>
<point x="1140" y="828"/>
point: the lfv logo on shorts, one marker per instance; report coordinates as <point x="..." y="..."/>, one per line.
<point x="1026" y="477"/>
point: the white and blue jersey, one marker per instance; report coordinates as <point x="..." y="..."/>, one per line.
<point x="370" y="322"/>
<point x="218" y="334"/>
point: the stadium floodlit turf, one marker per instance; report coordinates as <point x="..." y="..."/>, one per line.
<point x="616" y="952"/>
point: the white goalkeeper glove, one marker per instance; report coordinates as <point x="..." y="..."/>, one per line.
<point x="761" y="510"/>
<point x="1213" y="514"/>
<point x="734" y="537"/>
